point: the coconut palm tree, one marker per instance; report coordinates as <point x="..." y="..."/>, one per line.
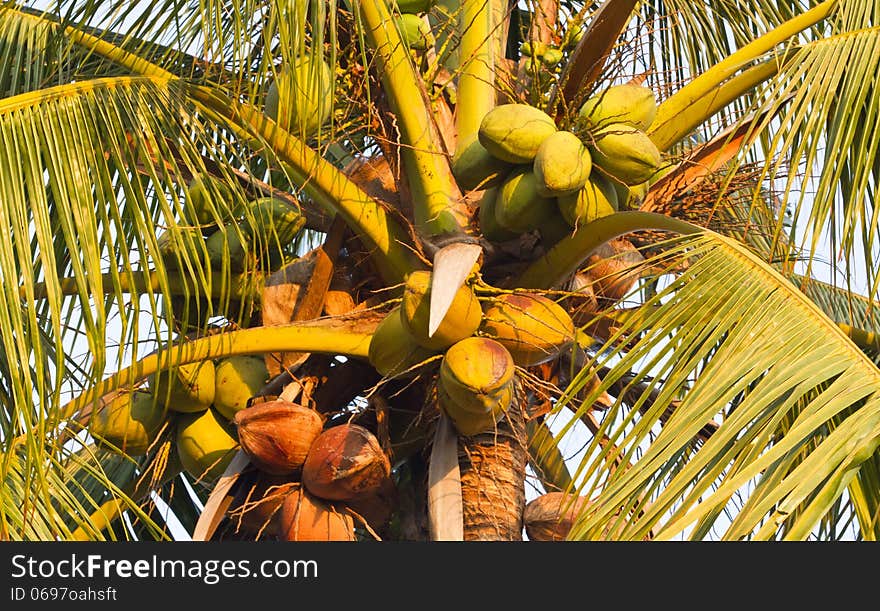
<point x="288" y="203"/>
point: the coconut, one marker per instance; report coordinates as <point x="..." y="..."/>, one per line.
<point x="128" y="421"/>
<point x="256" y="509"/>
<point x="277" y="435"/>
<point x="533" y="328"/>
<point x="519" y="207"/>
<point x="303" y="517"/>
<point x="376" y="509"/>
<point x="562" y="165"/>
<point x="392" y="348"/>
<point x="345" y="462"/>
<point x="596" y="199"/>
<point x="275" y="221"/>
<point x="475" y="168"/>
<point x="415" y="6"/>
<point x="237" y="379"/>
<point x="300" y="99"/>
<point x="551" y="516"/>
<point x="205" y="445"/>
<point x="489" y="226"/>
<point x="614" y="268"/>
<point x="477" y="375"/>
<point x="227" y="246"/>
<point x="513" y="132"/>
<point x="461" y="320"/>
<point x="626" y="153"/>
<point x="187" y="388"/>
<point x="414" y="31"/>
<point x="201" y="191"/>
<point x="469" y="422"/>
<point x="630" y="103"/>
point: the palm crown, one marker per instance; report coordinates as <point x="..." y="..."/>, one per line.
<point x="450" y="237"/>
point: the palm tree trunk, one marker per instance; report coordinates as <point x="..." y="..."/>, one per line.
<point x="493" y="467"/>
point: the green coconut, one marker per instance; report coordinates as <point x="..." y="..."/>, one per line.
<point x="276" y="221"/>
<point x="203" y="193"/>
<point x="181" y="248"/>
<point x="300" y="99"/>
<point x="393" y="349"/>
<point x="469" y="423"/>
<point x="237" y="379"/>
<point x="475" y="168"/>
<point x="533" y="328"/>
<point x="513" y="132"/>
<point x="626" y="153"/>
<point x="227" y="246"/>
<point x="187" y="388"/>
<point x="519" y="207"/>
<point x="461" y="320"/>
<point x="128" y="421"/>
<point x="562" y="165"/>
<point x="415" y="6"/>
<point x="414" y="31"/>
<point x="489" y="226"/>
<point x="205" y="445"/>
<point x="630" y="104"/>
<point x="596" y="199"/>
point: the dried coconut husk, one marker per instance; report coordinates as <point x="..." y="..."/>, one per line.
<point x="581" y="303"/>
<point x="345" y="462"/>
<point x="614" y="268"/>
<point x="302" y="517"/>
<point x="551" y="516"/>
<point x="255" y="509"/>
<point x="277" y="435"/>
<point x="378" y="507"/>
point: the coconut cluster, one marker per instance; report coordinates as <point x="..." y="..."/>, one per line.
<point x="481" y="341"/>
<point x="534" y="174"/>
<point x="196" y="402"/>
<point x="314" y="483"/>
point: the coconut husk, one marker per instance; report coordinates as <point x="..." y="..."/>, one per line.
<point x="345" y="462"/>
<point x="302" y="517"/>
<point x="277" y="435"/>
<point x="614" y="268"/>
<point x="551" y="516"/>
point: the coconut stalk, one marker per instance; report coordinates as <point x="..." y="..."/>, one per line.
<point x="476" y="81"/>
<point x="435" y="193"/>
<point x="567" y="255"/>
<point x="329" y="337"/>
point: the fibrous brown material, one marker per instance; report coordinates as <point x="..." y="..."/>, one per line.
<point x="492" y="465"/>
<point x="256" y="510"/>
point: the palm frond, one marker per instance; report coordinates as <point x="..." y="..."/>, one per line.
<point x="731" y="339"/>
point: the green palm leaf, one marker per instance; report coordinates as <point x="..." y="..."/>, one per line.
<point x="753" y="368"/>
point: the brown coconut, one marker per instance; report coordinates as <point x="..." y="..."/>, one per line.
<point x="303" y="517"/>
<point x="277" y="435"/>
<point x="256" y="509"/>
<point x="345" y="462"/>
<point x="614" y="268"/>
<point x="378" y="507"/>
<point x="551" y="516"/>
